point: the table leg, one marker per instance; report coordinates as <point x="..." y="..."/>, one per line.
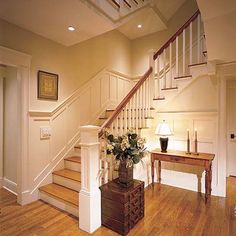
<point x="159" y="171"/>
<point x="208" y="183"/>
<point x="210" y="176"/>
<point x="152" y="170"/>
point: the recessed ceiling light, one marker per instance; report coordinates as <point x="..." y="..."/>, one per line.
<point x="71" y="28"/>
<point x="139" y="26"/>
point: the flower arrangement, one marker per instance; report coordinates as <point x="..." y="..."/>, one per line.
<point x="128" y="147"/>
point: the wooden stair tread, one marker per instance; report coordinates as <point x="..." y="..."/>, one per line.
<point x="198" y="64"/>
<point x="183" y="77"/>
<point x="77" y="147"/>
<point x="62" y="193"/>
<point x="159" y="99"/>
<point x="73" y="159"/>
<point x="171" y="88"/>
<point x="69" y="174"/>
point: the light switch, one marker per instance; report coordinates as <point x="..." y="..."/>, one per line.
<point x="45" y="132"/>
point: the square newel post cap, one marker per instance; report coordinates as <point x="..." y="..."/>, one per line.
<point x="89" y="134"/>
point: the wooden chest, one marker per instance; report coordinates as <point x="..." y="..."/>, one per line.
<point x="122" y="207"/>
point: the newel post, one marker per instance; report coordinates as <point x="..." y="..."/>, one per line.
<point x="89" y="195"/>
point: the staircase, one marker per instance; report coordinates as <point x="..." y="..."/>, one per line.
<point x="64" y="191"/>
<point x="181" y="60"/>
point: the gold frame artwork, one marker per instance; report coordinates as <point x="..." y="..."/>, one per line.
<point x="47" y="85"/>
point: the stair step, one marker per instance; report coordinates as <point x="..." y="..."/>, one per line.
<point x="171" y="88"/>
<point x="198" y="64"/>
<point x="183" y="77"/>
<point x="158" y="99"/>
<point x="61" y="193"/>
<point x="73" y="159"/>
<point x="73" y="163"/>
<point x="69" y="174"/>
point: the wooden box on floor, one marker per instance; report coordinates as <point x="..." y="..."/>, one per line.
<point x="122" y="207"/>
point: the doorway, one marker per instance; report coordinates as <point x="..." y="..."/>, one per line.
<point x="231" y="127"/>
<point x="9" y="141"/>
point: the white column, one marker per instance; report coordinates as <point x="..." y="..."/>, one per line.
<point x="89" y="195"/>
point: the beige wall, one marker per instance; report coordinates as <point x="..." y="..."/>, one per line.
<point x="11" y="125"/>
<point x="75" y="65"/>
<point x="219" y="19"/>
<point x="112" y="50"/>
<point x="141" y="46"/>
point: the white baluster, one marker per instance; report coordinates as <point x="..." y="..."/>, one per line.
<point x="148" y="96"/>
<point x="136" y="111"/>
<point x="143" y="105"/>
<point x="184" y="52"/>
<point x="116" y="123"/>
<point x="130" y="114"/>
<point x="198" y="37"/>
<point x="170" y="65"/>
<point x="152" y="82"/>
<point x="125" y="119"/>
<point x="105" y="166"/>
<point x="158" y="77"/>
<point x="140" y="107"/>
<point x="164" y="68"/>
<point x="191" y="43"/>
<point x="177" y="57"/>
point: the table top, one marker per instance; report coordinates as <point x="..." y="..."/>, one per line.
<point x="200" y="156"/>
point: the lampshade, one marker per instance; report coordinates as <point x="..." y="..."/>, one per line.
<point x="163" y="129"/>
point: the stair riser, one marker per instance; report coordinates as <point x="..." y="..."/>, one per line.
<point x="68" y="183"/>
<point x="70" y="165"/>
<point x="59" y="204"/>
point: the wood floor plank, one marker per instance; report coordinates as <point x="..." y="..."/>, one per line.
<point x="169" y="211"/>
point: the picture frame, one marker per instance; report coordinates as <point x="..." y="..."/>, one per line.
<point x="47" y="85"/>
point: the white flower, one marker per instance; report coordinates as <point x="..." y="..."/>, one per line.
<point x="110" y="147"/>
<point x="125" y="143"/>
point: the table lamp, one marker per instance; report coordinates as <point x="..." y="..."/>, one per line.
<point x="163" y="130"/>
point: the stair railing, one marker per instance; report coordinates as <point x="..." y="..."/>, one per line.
<point x="172" y="60"/>
<point x="132" y="112"/>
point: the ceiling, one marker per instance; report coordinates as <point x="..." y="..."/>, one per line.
<point x="50" y="18"/>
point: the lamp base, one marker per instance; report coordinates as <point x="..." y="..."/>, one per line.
<point x="164" y="144"/>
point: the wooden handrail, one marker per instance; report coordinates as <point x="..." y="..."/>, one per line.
<point x="119" y="108"/>
<point x="191" y="19"/>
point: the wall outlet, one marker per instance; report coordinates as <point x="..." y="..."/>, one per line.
<point x="45" y="132"/>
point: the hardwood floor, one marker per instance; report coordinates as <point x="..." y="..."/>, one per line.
<point x="168" y="211"/>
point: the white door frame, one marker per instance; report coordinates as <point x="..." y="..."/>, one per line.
<point x="225" y="72"/>
<point x="21" y="61"/>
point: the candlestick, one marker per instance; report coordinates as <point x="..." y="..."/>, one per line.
<point x="195" y="143"/>
<point x="188" y="143"/>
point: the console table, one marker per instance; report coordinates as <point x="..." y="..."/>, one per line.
<point x="202" y="159"/>
<point x="122" y="207"/>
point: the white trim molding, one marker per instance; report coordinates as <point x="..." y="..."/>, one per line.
<point x="22" y="62"/>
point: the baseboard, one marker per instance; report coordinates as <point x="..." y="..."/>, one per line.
<point x="9" y="185"/>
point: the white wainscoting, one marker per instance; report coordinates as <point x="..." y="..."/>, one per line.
<point x="83" y="107"/>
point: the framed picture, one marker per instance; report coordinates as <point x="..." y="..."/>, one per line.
<point x="47" y="85"/>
